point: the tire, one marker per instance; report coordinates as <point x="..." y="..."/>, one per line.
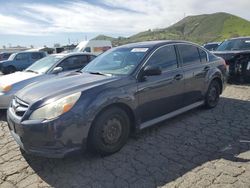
<point x="212" y="95"/>
<point x="9" y="69"/>
<point x="109" y="131"/>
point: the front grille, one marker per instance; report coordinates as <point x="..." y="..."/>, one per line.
<point x="19" y="107"/>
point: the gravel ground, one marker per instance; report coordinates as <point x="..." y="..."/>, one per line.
<point x="201" y="148"/>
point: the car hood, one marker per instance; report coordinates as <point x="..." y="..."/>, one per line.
<point x="227" y="55"/>
<point x="58" y="87"/>
<point x="16" y="77"/>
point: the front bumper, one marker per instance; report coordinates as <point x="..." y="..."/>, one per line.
<point x="53" y="139"/>
<point x="5" y="100"/>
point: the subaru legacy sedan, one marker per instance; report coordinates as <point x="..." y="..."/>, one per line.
<point x="125" y="89"/>
<point x="46" y="68"/>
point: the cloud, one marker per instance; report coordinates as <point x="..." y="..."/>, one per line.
<point x="108" y="16"/>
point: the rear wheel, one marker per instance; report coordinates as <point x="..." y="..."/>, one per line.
<point x="9" y="70"/>
<point x="109" y="132"/>
<point x="213" y="95"/>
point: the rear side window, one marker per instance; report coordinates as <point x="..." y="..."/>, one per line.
<point x="164" y="57"/>
<point x="189" y="54"/>
<point x="36" y="56"/>
<point x="92" y="57"/>
<point x="76" y="62"/>
<point x="203" y="55"/>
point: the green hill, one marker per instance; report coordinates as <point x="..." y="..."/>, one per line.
<point x="200" y="29"/>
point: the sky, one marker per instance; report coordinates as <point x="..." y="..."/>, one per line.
<point x="47" y="22"/>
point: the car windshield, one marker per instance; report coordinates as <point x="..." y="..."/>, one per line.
<point x="118" y="61"/>
<point x="235" y="44"/>
<point x="43" y="65"/>
<point x="12" y="56"/>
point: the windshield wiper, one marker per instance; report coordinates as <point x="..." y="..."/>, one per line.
<point x="100" y="73"/>
<point x="32" y="71"/>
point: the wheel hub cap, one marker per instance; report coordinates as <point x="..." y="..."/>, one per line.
<point x="112" y="131"/>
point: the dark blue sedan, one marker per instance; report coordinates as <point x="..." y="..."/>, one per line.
<point x="127" y="88"/>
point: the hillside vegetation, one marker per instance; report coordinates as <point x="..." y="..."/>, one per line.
<point x="199" y="29"/>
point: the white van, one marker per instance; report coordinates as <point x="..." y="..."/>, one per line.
<point x="95" y="47"/>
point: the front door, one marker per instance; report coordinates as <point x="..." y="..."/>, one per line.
<point x="162" y="94"/>
<point x="22" y="61"/>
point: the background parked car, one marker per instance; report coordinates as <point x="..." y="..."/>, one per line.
<point x="20" y="61"/>
<point x="211" y="46"/>
<point x="96" y="47"/>
<point x="126" y="88"/>
<point x="236" y="52"/>
<point x="4" y="56"/>
<point x="45" y="68"/>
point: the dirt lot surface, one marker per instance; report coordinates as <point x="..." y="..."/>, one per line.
<point x="201" y="148"/>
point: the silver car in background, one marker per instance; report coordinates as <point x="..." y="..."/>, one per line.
<point x="46" y="68"/>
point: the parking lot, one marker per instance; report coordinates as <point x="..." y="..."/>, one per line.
<point x="201" y="148"/>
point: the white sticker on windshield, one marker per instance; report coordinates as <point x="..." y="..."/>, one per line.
<point x="139" y="50"/>
<point x="247" y="41"/>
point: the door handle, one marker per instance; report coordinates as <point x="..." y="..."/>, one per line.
<point x="178" y="77"/>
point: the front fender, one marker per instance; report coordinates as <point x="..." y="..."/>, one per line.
<point x="112" y="96"/>
<point x="6" y="64"/>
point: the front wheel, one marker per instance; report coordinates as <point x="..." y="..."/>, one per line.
<point x="213" y="95"/>
<point x="109" y="132"/>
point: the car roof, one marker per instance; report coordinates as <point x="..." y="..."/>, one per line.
<point x="212" y="43"/>
<point x="153" y="44"/>
<point x="248" y="38"/>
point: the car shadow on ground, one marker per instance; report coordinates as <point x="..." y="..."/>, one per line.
<point x="158" y="155"/>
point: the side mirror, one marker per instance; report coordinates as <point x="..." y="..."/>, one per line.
<point x="152" y="70"/>
<point x="57" y="70"/>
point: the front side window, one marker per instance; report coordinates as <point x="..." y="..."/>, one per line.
<point x="117" y="61"/>
<point x="76" y="62"/>
<point x="164" y="57"/>
<point x="21" y="57"/>
<point x="189" y="54"/>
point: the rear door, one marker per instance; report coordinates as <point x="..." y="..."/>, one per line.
<point x="35" y="56"/>
<point x="195" y="68"/>
<point x="159" y="95"/>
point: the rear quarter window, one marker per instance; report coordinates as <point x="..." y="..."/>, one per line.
<point x="203" y="55"/>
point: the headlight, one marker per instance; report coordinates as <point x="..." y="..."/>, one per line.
<point x="55" y="108"/>
<point x="5" y="88"/>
